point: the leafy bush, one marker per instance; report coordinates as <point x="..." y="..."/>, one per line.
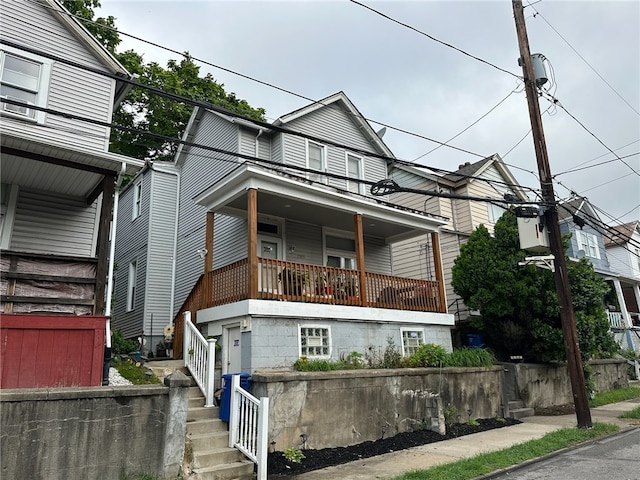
<point x="427" y="355"/>
<point x="293" y="455"/>
<point x="303" y="364"/>
<point x="120" y="345"/>
<point x="470" y="357"/>
<point x="135" y="373"/>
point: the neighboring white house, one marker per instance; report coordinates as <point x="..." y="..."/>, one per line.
<point x="486" y="178"/>
<point x="57" y="177"/>
<point x="297" y="253"/>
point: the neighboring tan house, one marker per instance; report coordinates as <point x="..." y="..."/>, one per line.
<point x="622" y="245"/>
<point x="486" y="178"/>
<point x="57" y="193"/>
<point x="295" y="251"/>
<point x="589" y="239"/>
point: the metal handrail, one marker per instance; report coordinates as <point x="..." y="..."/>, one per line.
<point x="200" y="358"/>
<point x="249" y="425"/>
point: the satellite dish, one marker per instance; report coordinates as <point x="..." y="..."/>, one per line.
<point x="381" y="132"/>
<point x="581" y="253"/>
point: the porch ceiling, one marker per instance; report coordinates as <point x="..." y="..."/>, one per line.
<point x="286" y="197"/>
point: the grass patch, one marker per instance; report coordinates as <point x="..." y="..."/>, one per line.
<point x="135" y="374"/>
<point x="635" y="413"/>
<point x="614" y="396"/>
<point x="486" y="463"/>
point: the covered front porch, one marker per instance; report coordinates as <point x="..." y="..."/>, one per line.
<point x="336" y="277"/>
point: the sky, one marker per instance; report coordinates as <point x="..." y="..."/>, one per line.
<point x="400" y="78"/>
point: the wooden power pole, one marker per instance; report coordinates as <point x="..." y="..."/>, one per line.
<point x="567" y="316"/>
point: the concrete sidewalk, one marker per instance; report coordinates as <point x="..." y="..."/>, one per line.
<point x="447" y="451"/>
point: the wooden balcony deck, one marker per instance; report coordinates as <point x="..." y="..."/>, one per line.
<point x="300" y="282"/>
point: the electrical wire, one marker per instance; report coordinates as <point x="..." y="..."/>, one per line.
<point x="557" y="102"/>
<point x="537" y="13"/>
<point x="602" y="155"/>
<point x="595" y="165"/>
<point x="467" y="128"/>
<point x="383" y="15"/>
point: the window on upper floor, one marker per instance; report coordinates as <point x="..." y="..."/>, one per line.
<point x="137" y="200"/>
<point x="354" y="170"/>
<point x="131" y="286"/>
<point x="315" y="341"/>
<point x="316" y="160"/>
<point x="495" y="212"/>
<point x="588" y="243"/>
<point x="24" y="78"/>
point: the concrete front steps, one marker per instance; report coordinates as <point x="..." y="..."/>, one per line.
<point x="208" y="440"/>
<point x="517" y="410"/>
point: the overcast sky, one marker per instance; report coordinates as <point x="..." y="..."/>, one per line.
<point x="400" y="78"/>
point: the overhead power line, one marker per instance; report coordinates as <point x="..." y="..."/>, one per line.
<point x="538" y="14"/>
<point x="431" y="37"/>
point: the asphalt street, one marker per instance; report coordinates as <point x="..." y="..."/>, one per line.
<point x="612" y="458"/>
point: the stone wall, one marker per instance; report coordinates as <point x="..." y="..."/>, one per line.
<point x="99" y="432"/>
<point x="346" y="407"/>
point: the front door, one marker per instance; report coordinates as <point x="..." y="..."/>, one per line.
<point x="269" y="248"/>
<point x="234" y="357"/>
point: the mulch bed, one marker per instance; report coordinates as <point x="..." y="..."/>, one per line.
<point x="278" y="465"/>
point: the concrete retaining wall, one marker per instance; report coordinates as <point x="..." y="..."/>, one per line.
<point x="342" y="408"/>
<point x="99" y="432"/>
<point x="548" y="385"/>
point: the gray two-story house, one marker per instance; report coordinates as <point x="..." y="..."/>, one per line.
<point x="275" y="243"/>
<point x="58" y="91"/>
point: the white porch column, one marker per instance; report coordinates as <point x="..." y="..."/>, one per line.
<point x="636" y="292"/>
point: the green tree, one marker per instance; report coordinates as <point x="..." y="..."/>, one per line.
<point x="149" y="112"/>
<point x="518" y="304"/>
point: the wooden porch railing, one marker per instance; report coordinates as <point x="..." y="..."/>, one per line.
<point x="302" y="282"/>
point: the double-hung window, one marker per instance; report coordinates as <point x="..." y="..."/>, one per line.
<point x="588" y="243"/>
<point x="316" y="161"/>
<point x="24" y="78"/>
<point x="355" y="173"/>
<point x="340" y="250"/>
<point x="495" y="212"/>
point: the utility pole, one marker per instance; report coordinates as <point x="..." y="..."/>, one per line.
<point x="567" y="316"/>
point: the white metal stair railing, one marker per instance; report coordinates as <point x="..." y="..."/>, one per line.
<point x="616" y="320"/>
<point x="199" y="357"/>
<point x="248" y="426"/>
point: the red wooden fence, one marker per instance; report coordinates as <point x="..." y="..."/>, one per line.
<point x="51" y="351"/>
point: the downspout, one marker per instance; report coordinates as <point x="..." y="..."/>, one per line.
<point x="257" y="155"/>
<point x="112" y="253"/>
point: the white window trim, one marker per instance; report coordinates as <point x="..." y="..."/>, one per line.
<point x="329" y="343"/>
<point x="131" y="285"/>
<point x="402" y="331"/>
<point x="360" y="159"/>
<point x="335" y="252"/>
<point x="323" y="169"/>
<point x="43" y="82"/>
<point x="137" y="200"/>
<point x="584" y="239"/>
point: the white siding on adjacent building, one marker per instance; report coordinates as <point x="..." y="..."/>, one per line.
<point x="70" y="89"/>
<point x="54" y="224"/>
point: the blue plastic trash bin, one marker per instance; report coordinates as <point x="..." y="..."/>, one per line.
<point x="475" y="340"/>
<point x="225" y="397"/>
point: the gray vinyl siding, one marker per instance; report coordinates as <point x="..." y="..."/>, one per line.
<point x="601" y="263"/>
<point x="377" y="256"/>
<point x="54" y="224"/>
<point x="275" y="145"/>
<point x="132" y="237"/>
<point x="333" y="124"/>
<point x="200" y="170"/>
<point x="410" y="260"/>
<point x="70" y="89"/>
<point x="159" y="271"/>
<point x="308" y="241"/>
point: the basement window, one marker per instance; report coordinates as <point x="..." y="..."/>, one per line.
<point x="411" y="340"/>
<point x="315" y="341"/>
